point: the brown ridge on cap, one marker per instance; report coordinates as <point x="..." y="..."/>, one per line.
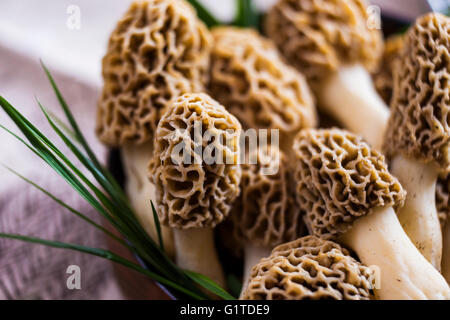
<point x="382" y="78"/>
<point x="419" y="126"/>
<point x="443" y="197"/>
<point x="265" y="213"/>
<point x="340" y="179"/>
<point x="199" y="194"/>
<point x="249" y="77"/>
<point x="318" y="37"/>
<point x="158" y="51"/>
<point x="309" y="268"/>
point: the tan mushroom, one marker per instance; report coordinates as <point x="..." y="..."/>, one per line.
<point x="309" y="269"/>
<point x="348" y="194"/>
<point x="418" y="135"/>
<point x="196" y="173"/>
<point x="158" y="50"/>
<point x="265" y="213"/>
<point x="249" y="77"/>
<point x="443" y="207"/>
<point x="330" y="42"/>
<point x="382" y="77"/>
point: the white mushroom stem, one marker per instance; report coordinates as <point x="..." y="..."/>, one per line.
<point x="379" y="241"/>
<point x="446" y="253"/>
<point x="350" y="97"/>
<point x="253" y="254"/>
<point x="140" y="191"/>
<point x="419" y="217"/>
<point x="195" y="250"/>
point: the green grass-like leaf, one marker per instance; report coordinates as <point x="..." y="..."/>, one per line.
<point x="246" y="15"/>
<point x="207" y="17"/>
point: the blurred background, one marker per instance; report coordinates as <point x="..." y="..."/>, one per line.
<point x="70" y="36"/>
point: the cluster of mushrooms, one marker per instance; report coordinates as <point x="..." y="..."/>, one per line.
<point x="338" y="220"/>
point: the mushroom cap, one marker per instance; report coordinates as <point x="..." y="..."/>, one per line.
<point x="443" y="197"/>
<point x="199" y="194"/>
<point x="158" y="51"/>
<point x="249" y="77"/>
<point x="419" y="126"/>
<point x="382" y="77"/>
<point x="319" y="36"/>
<point x="309" y="268"/>
<point x="265" y="213"/>
<point x="340" y="179"/>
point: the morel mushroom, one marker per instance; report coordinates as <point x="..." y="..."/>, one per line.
<point x="330" y="42"/>
<point x="382" y="78"/>
<point x="196" y="173"/>
<point x="348" y="194"/>
<point x="418" y="135"/>
<point x="158" y="51"/>
<point x="265" y="213"/>
<point x="249" y="77"/>
<point x="309" y="269"/>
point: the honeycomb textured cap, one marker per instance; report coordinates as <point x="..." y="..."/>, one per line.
<point x="382" y="78"/>
<point x="319" y="36"/>
<point x="265" y="213"/>
<point x="199" y="194"/>
<point x="158" y="51"/>
<point x="443" y="197"/>
<point x="249" y="77"/>
<point x="419" y="126"/>
<point x="340" y="179"/>
<point x="309" y="269"/>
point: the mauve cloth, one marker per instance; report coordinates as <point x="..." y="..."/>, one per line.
<point x="29" y="271"/>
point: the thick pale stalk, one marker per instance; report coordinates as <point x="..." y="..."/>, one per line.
<point x="253" y="254"/>
<point x="379" y="241"/>
<point x="140" y="191"/>
<point x="350" y="97"/>
<point x="195" y="251"/>
<point x="419" y="217"/>
<point x="446" y="253"/>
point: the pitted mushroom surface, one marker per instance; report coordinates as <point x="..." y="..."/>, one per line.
<point x="196" y="194"/>
<point x="318" y="36"/>
<point x="265" y="213"/>
<point x="383" y="79"/>
<point x="309" y="269"/>
<point x="195" y="191"/>
<point x="340" y="179"/>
